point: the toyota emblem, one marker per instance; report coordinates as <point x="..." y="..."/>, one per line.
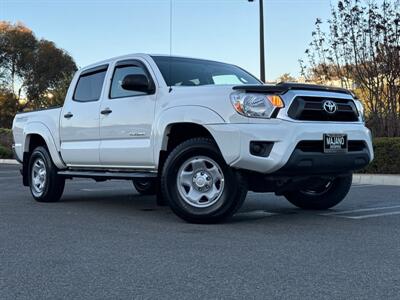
<point x="329" y="106"/>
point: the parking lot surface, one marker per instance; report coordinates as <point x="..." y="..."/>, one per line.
<point x="103" y="240"/>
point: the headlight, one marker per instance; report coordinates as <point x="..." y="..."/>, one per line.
<point x="256" y="105"/>
<point x="360" y="108"/>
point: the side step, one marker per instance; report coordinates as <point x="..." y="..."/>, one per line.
<point x="104" y="175"/>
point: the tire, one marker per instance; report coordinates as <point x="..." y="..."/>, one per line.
<point x="209" y="191"/>
<point x="145" y="186"/>
<point x="44" y="182"/>
<point x="323" y="196"/>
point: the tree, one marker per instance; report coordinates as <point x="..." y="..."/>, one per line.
<point x="30" y="70"/>
<point x="286" y="77"/>
<point x="47" y="70"/>
<point x="8" y="107"/>
<point x="17" y="44"/>
<point x="361" y="49"/>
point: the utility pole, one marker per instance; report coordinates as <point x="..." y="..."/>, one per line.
<point x="262" y="47"/>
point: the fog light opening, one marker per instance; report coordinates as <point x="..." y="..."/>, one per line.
<point x="262" y="149"/>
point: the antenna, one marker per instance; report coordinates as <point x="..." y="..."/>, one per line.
<point x="170" y="43"/>
<point x="170" y="27"/>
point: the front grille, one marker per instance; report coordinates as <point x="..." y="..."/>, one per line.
<point x="311" y="109"/>
<point x="318" y="146"/>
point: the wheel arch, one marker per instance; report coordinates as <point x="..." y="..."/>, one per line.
<point x="37" y="134"/>
<point x="178" y="124"/>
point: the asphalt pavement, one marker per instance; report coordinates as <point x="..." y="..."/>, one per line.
<point x="104" y="241"/>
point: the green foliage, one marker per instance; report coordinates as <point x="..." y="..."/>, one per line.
<point x="33" y="73"/>
<point x="8" y="107"/>
<point x="387" y="157"/>
<point x="6" y="138"/>
<point x="5" y="131"/>
<point x="49" y="68"/>
<point x="5" y="143"/>
<point x="5" y="152"/>
<point x="17" y="43"/>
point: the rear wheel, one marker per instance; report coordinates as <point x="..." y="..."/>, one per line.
<point x="44" y="182"/>
<point x="145" y="186"/>
<point x="198" y="185"/>
<point x="321" y="194"/>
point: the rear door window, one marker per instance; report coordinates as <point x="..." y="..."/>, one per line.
<point x="89" y="86"/>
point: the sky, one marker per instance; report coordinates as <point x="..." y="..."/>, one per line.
<point x="223" y="30"/>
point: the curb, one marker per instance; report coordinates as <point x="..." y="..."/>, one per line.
<point x="376" y="179"/>
<point x="9" y="161"/>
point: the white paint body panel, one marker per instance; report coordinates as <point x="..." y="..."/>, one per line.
<point x="79" y="135"/>
<point x="125" y="134"/>
<point x="44" y="123"/>
<point x="80" y="138"/>
<point x="133" y="135"/>
<point x="234" y="140"/>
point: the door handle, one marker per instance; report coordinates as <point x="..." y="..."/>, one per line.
<point x="106" y="111"/>
<point x="68" y="115"/>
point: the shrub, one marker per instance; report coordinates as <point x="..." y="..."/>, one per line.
<point x="6" y="138"/>
<point x="5" y="152"/>
<point x="387" y="157"/>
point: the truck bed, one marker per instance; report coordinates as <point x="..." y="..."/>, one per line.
<point x="49" y="118"/>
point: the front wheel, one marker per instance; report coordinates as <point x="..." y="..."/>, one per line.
<point x="321" y="194"/>
<point x="44" y="182"/>
<point x="198" y="185"/>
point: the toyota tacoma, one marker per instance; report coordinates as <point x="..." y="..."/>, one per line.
<point x="198" y="134"/>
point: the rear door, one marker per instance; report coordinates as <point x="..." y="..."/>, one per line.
<point x="80" y="119"/>
<point x="126" y="122"/>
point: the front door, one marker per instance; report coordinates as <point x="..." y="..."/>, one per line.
<point x="80" y="120"/>
<point x="126" y="120"/>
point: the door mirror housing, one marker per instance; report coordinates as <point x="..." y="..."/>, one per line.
<point x="137" y="82"/>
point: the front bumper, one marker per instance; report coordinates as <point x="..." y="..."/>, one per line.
<point x="234" y="140"/>
<point x="309" y="163"/>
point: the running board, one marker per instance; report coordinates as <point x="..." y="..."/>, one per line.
<point x="107" y="175"/>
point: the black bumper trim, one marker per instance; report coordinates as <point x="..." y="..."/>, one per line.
<point x="309" y="163"/>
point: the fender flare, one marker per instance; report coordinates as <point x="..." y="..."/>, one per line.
<point x="195" y="114"/>
<point x="42" y="130"/>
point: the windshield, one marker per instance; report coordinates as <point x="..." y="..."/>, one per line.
<point x="194" y="72"/>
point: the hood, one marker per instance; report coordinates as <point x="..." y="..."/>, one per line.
<point x="283" y="87"/>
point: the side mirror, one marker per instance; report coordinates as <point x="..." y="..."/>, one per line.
<point x="136" y="82"/>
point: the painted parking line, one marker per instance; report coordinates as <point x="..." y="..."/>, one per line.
<point x="365" y="213"/>
<point x="360" y="210"/>
<point x="392" y="213"/>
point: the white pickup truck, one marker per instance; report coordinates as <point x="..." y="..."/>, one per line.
<point x="197" y="133"/>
